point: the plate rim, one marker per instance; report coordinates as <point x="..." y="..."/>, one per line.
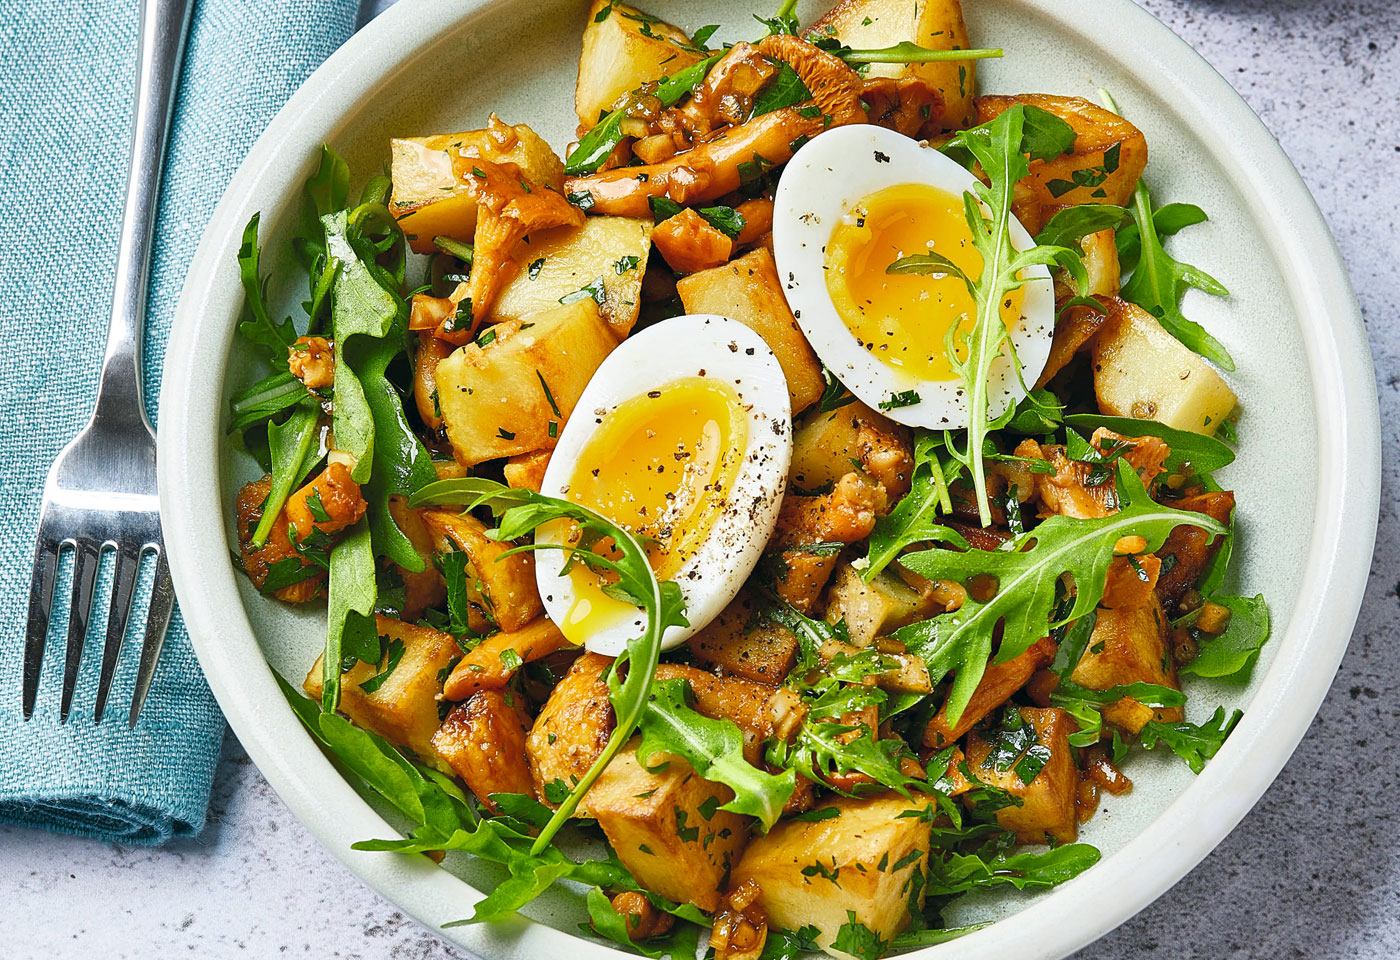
<point x="1343" y="397"/>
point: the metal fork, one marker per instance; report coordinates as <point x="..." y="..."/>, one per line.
<point x="101" y="491"/>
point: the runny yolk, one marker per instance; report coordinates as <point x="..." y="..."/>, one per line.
<point x="903" y="319"/>
<point x="660" y="466"/>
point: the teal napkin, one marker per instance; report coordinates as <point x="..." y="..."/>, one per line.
<point x="66" y="100"/>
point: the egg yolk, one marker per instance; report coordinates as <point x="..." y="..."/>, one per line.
<point x="903" y="319"/>
<point x="660" y="466"/>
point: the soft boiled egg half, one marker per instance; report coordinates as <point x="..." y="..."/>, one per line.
<point x="851" y="202"/>
<point x="683" y="438"/>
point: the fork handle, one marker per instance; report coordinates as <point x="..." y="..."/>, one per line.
<point x="161" y="46"/>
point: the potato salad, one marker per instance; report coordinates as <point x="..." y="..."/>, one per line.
<point x="786" y="508"/>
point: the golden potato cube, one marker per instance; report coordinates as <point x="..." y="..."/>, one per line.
<point x="1108" y="156"/>
<point x="873" y="609"/>
<point x="404" y="707"/>
<point x="1130" y="644"/>
<point x="740" y="643"/>
<point x="431" y="200"/>
<point x="748" y="290"/>
<point x="1141" y="370"/>
<point x="493" y="397"/>
<point x="483" y="740"/>
<point x="570" y="732"/>
<point x="525" y="471"/>
<point x="559" y="263"/>
<point x="936" y="24"/>
<point x="504" y="587"/>
<point x="1048" y="801"/>
<point x="862" y="861"/>
<point x="624" y="48"/>
<point x="666" y="826"/>
<point x="824" y="444"/>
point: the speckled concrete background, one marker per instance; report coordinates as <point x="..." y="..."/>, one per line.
<point x="1313" y="872"/>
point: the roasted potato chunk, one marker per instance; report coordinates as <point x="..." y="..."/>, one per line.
<point x="1048" y="802"/>
<point x="571" y="730"/>
<point x="492" y="397"/>
<point x="874" y="609"/>
<point x="624" y="48"/>
<point x="1129" y="644"/>
<point x="484" y="742"/>
<point x="492" y="662"/>
<point x="430" y="199"/>
<point x="936" y="24"/>
<point x="503" y="587"/>
<point x="741" y="643"/>
<point x="525" y="471"/>
<point x="1141" y="370"/>
<point x="861" y="861"/>
<point x="824" y="444"/>
<point x="1103" y="166"/>
<point x="403" y="709"/>
<point x="558" y="263"/>
<point x="748" y="290"/>
<point x="689" y="243"/>
<point x="665" y="825"/>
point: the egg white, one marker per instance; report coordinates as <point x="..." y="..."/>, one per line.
<point x="820" y="185"/>
<point x="706" y="346"/>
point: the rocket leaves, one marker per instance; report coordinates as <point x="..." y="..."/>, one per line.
<point x="914" y="517"/>
<point x="1003" y="147"/>
<point x="1027" y="570"/>
<point x="714" y="748"/>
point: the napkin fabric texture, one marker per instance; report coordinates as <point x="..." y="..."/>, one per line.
<point x="67" y="83"/>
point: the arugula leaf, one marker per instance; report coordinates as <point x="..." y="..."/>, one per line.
<point x="327" y="190"/>
<point x="714" y="748"/>
<point x="522" y="511"/>
<point x="858" y="940"/>
<point x="1193" y="743"/>
<point x="369" y="321"/>
<point x="958" y="873"/>
<point x="598" y="144"/>
<point x="681" y="943"/>
<point x="1168" y="219"/>
<point x="821" y="749"/>
<point x="1000" y="146"/>
<point x="1028" y="570"/>
<point x="1202" y="454"/>
<point x="1158" y="283"/>
<point x="914" y="517"/>
<point x="1073" y="224"/>
<point x="351" y="587"/>
<point x="360" y="641"/>
<point x="292" y="443"/>
<point x="265" y="399"/>
<point x="1039" y="413"/>
<point x="260" y="329"/>
<point x="1236" y="649"/>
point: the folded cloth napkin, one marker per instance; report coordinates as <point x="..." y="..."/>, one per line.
<point x="66" y="98"/>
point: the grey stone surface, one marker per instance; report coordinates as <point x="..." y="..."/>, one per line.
<point x="1313" y="872"/>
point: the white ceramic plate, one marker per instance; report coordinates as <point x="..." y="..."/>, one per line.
<point x="1307" y="475"/>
